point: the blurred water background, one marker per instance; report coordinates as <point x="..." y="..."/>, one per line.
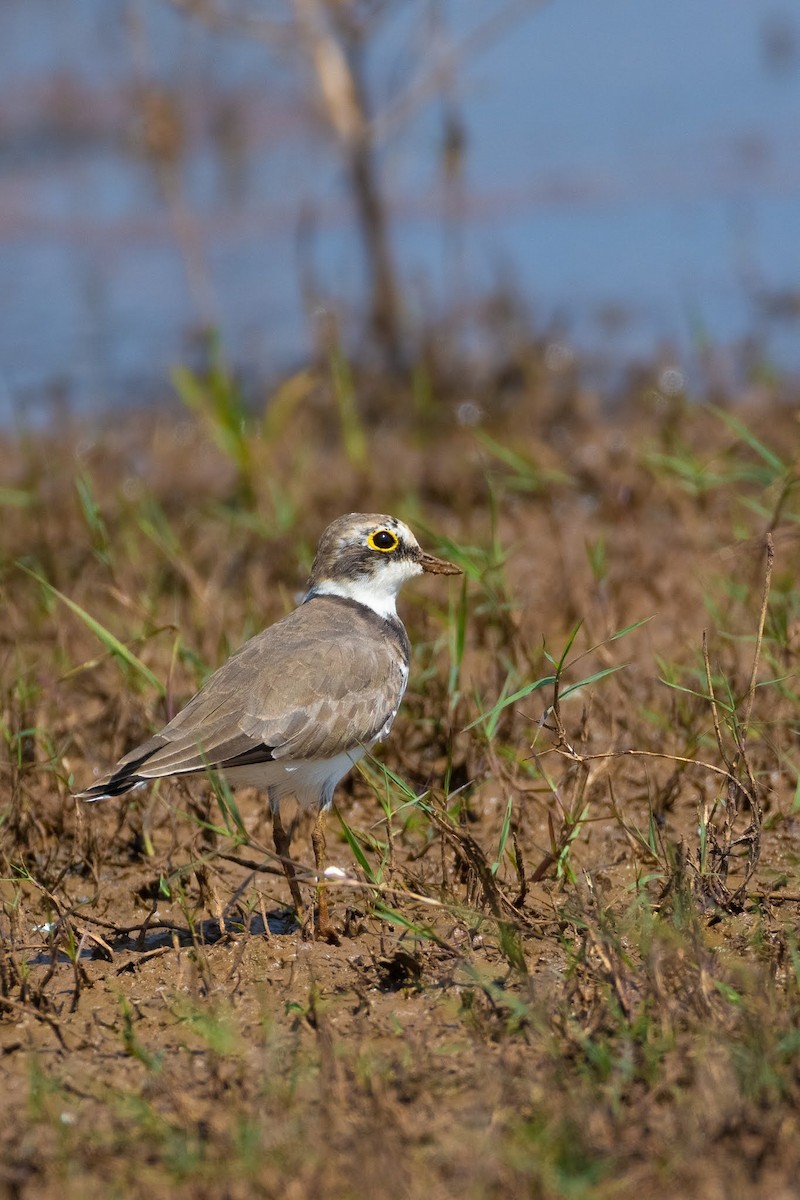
<point x="627" y="170"/>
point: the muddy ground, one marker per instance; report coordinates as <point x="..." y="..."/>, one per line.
<point x="568" y="960"/>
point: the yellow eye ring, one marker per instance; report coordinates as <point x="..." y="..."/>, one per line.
<point x="383" y="540"/>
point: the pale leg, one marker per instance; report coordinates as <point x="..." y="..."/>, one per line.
<point x="282" y="845"/>
<point x="324" y="930"/>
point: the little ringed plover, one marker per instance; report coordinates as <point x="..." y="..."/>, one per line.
<point x="301" y="702"/>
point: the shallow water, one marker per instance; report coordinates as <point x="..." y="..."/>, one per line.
<point x="632" y="169"/>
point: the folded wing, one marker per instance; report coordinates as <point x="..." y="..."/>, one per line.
<point x="326" y="679"/>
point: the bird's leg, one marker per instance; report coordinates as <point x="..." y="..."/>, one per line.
<point x="282" y="844"/>
<point x="324" y="930"/>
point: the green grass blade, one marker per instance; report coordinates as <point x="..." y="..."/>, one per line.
<point x="421" y="931"/>
<point x="94" y="519"/>
<point x="228" y="806"/>
<point x="677" y="687"/>
<point x="629" y="629"/>
<point x="573" y="687"/>
<point x="504" y="832"/>
<point x="358" y="852"/>
<point x="458" y="635"/>
<point x="512" y="699"/>
<point x="740" y="429"/>
<point x="531" y="476"/>
<point x="559" y="666"/>
<point x="569" y="645"/>
<point x="112" y="644"/>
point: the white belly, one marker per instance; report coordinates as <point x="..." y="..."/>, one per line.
<point x="311" y="781"/>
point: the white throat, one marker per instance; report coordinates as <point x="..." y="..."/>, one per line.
<point x="378" y="592"/>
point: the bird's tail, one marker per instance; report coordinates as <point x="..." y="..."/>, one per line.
<point x="124" y="778"/>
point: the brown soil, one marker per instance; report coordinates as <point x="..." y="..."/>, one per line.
<point x="611" y="1011"/>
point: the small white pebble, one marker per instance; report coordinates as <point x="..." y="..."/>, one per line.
<point x="334" y="873"/>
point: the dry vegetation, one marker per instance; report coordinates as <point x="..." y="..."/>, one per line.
<point x="569" y="964"/>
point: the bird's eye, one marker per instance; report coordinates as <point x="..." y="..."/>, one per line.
<point x="384" y="540"/>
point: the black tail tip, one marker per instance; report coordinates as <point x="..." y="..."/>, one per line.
<point x="110" y="788"/>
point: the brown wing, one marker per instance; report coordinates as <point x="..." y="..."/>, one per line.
<point x="324" y="680"/>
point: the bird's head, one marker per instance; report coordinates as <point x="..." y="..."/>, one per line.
<point x="368" y="557"/>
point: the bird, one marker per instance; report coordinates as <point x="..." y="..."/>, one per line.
<point x="300" y="703"/>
